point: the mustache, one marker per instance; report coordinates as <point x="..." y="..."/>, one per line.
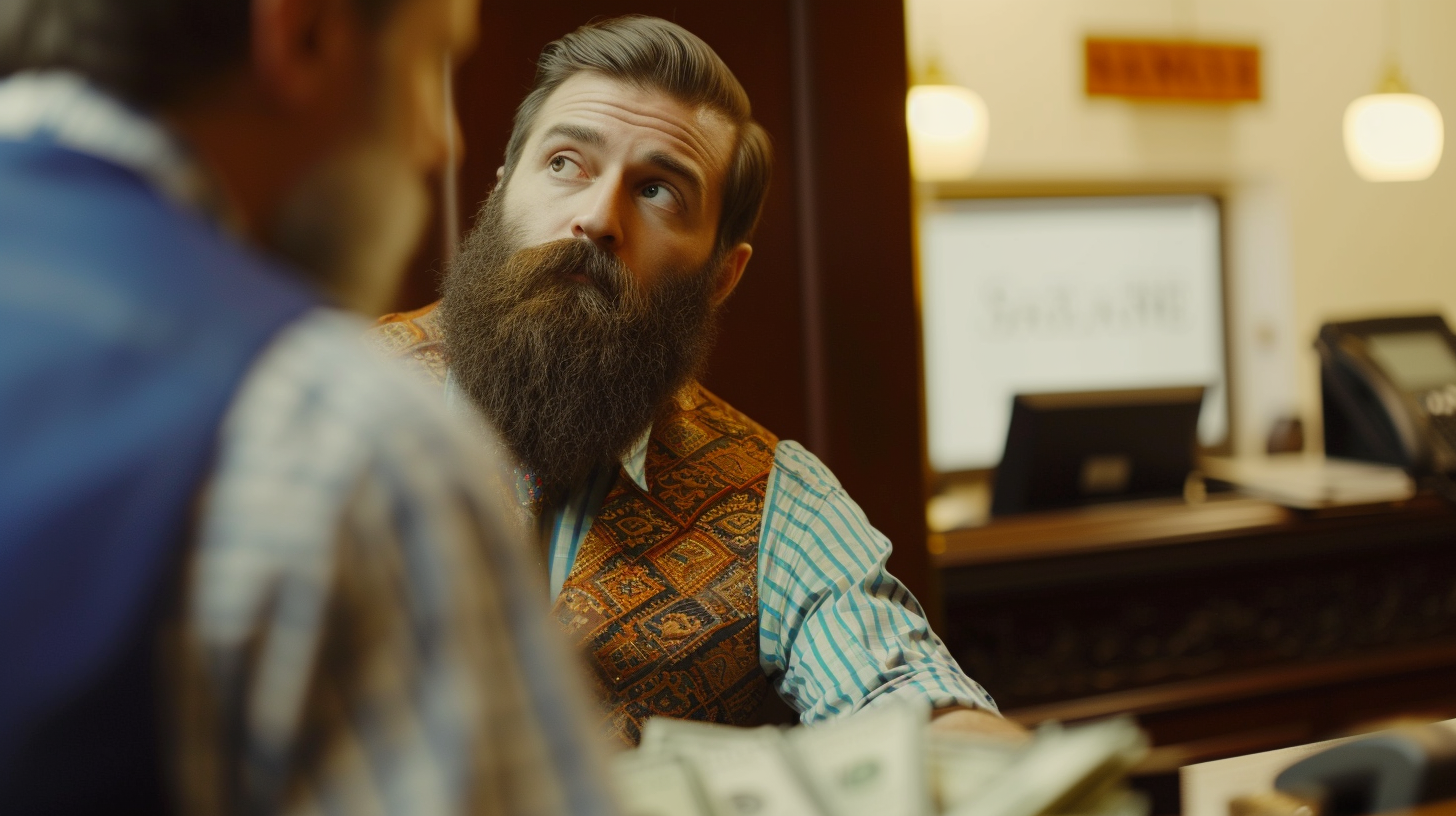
<point x="555" y="264"/>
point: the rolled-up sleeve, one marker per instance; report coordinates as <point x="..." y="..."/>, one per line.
<point x="837" y="631"/>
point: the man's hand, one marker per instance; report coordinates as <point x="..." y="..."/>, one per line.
<point x="975" y="721"/>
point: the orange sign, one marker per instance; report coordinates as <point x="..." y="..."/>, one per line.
<point x="1174" y="71"/>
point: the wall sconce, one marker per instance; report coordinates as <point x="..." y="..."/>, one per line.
<point x="1393" y="134"/>
<point x="949" y="127"/>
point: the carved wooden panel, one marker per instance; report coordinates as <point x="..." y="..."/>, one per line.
<point x="1208" y="592"/>
<point x="1119" y="636"/>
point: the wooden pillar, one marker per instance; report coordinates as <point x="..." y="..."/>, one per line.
<point x="860" y="305"/>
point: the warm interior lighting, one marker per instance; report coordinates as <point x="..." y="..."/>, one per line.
<point x="1393" y="136"/>
<point x="948" y="130"/>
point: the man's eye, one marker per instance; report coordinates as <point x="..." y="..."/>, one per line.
<point x="560" y="164"/>
<point x="660" y="196"/>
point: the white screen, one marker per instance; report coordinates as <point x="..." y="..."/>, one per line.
<point x="1415" y="360"/>
<point x="1065" y="294"/>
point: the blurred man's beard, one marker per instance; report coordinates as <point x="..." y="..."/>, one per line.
<point x="564" y="351"/>
<point x="352" y="224"/>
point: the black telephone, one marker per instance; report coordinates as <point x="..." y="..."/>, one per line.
<point x="1393" y="770"/>
<point x="1389" y="393"/>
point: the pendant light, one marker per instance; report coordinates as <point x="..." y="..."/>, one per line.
<point x="1393" y="134"/>
<point x="948" y="125"/>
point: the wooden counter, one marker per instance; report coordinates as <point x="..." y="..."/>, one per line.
<point x="1228" y="626"/>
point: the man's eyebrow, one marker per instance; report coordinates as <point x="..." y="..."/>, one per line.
<point x="675" y="166"/>
<point x="579" y="133"/>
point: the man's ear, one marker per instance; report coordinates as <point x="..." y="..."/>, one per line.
<point x="305" y="51"/>
<point x="500" y="173"/>
<point x="731" y="272"/>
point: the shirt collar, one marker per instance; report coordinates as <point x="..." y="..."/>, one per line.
<point x="62" y="108"/>
<point x="634" y="464"/>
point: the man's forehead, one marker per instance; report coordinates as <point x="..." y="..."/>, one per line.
<point x="626" y="109"/>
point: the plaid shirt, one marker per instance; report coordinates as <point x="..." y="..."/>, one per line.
<point x="360" y="629"/>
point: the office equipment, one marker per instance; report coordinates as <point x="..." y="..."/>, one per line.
<point x="1214" y="788"/>
<point x="1389" y="394"/>
<point x="1393" y="770"/>
<point x="1311" y="481"/>
<point x="1210" y="788"/>
<point x="1066" y="293"/>
<point x="1079" y="448"/>
<point x="1389" y="388"/>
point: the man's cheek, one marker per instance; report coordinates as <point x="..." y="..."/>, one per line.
<point x="525" y="213"/>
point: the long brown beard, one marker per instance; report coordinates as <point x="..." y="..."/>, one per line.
<point x="570" y="372"/>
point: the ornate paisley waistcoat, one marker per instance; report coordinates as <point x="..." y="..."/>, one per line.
<point x="663" y="595"/>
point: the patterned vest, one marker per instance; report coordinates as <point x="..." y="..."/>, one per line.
<point x="663" y="595"/>
<point x="414" y="337"/>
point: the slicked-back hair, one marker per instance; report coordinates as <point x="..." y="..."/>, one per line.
<point x="657" y="55"/>
<point x="148" y="53"/>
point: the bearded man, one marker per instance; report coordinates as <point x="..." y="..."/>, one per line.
<point x="698" y="560"/>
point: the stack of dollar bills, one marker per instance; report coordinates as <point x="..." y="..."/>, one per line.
<point x="883" y="761"/>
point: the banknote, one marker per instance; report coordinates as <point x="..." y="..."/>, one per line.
<point x="1061" y="770"/>
<point x="871" y="763"/>
<point x="963" y="765"/>
<point x="743" y="771"/>
<point x="657" y="785"/>
<point x="662" y="735"/>
<point x="883" y="761"/>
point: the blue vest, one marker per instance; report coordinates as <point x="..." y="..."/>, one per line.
<point x="126" y="325"/>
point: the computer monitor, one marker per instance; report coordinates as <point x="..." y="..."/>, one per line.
<point x="1074" y="293"/>
<point x="1070" y="449"/>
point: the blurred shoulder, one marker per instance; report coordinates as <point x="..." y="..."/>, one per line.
<point x="318" y="399"/>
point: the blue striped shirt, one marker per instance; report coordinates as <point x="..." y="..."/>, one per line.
<point x="837" y="632"/>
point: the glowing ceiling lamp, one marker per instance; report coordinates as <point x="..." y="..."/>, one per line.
<point x="948" y="127"/>
<point x="1393" y="134"/>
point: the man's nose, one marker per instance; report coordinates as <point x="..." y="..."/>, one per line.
<point x="600" y="217"/>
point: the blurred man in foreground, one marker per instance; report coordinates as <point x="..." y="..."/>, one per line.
<point x="700" y="562"/>
<point x="242" y="568"/>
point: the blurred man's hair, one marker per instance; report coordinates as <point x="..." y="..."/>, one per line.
<point x="149" y="53"/>
<point x="655" y="54"/>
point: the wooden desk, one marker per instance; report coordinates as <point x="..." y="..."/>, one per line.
<point x="1228" y="627"/>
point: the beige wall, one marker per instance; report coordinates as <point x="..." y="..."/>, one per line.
<point x="1309" y="241"/>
